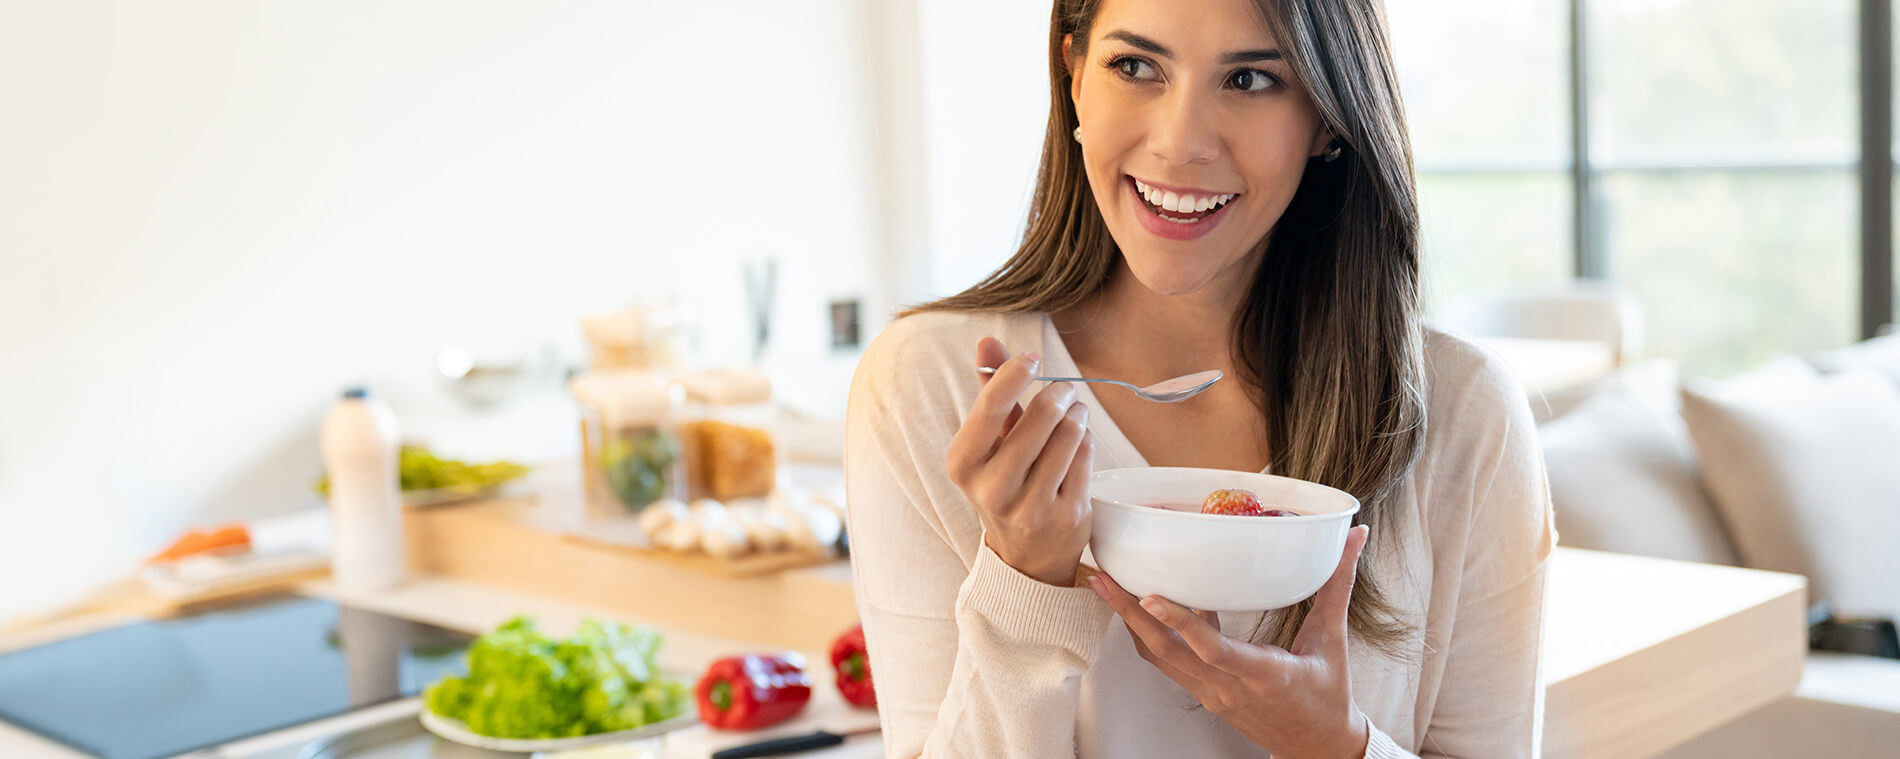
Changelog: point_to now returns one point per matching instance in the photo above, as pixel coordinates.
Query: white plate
(454, 730)
(443, 496)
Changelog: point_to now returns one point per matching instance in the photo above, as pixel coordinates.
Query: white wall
(986, 99)
(213, 215)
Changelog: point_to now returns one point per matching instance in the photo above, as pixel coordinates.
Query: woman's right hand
(1026, 469)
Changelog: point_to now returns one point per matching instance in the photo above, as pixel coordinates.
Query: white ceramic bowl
(1211, 561)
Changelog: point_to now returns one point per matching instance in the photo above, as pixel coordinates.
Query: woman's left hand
(1296, 703)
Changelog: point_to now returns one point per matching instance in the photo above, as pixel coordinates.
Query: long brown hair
(1329, 336)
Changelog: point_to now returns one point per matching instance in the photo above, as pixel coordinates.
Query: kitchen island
(1640, 654)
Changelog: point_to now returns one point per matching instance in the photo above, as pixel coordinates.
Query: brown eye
(1251, 80)
(1133, 68)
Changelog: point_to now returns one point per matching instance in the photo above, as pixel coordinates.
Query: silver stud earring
(1332, 154)
(1078, 133)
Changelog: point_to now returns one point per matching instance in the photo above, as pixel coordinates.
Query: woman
(1225, 184)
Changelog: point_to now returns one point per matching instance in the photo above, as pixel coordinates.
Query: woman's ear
(1322, 142)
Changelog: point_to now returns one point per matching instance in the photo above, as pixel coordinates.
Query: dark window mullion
(1876, 165)
(1588, 250)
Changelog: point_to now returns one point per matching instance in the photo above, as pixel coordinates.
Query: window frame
(1876, 164)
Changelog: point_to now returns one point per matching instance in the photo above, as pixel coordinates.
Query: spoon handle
(992, 370)
(1082, 379)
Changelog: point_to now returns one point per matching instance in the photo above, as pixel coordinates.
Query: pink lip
(1163, 228)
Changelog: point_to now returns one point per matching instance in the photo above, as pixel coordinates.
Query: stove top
(164, 687)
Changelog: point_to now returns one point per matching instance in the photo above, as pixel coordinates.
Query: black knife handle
(777, 746)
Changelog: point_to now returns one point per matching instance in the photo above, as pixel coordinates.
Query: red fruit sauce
(1195, 508)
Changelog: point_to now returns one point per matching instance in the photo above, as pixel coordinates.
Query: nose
(1183, 131)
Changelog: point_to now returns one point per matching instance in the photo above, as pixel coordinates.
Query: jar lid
(727, 386)
(637, 325)
(624, 397)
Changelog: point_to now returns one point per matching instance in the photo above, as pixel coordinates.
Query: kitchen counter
(1640, 654)
(546, 545)
(474, 607)
(531, 546)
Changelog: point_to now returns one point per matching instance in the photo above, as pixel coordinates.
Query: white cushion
(1652, 382)
(1880, 355)
(1805, 474)
(1622, 472)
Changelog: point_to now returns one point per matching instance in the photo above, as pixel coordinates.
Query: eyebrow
(1143, 43)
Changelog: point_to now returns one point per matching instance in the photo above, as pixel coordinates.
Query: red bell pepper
(853, 665)
(750, 692)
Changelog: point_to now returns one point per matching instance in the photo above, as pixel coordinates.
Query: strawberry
(1233, 502)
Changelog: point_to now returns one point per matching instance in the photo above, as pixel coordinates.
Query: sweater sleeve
(1490, 699)
(972, 658)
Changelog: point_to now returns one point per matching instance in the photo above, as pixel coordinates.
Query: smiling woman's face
(1194, 136)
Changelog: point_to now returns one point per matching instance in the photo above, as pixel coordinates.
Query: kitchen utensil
(761, 291)
(792, 744)
(1166, 391)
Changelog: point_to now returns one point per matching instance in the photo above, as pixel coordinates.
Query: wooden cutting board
(751, 564)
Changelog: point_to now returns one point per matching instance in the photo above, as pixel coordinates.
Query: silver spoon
(1166, 391)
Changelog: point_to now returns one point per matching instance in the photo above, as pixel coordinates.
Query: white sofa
(1793, 466)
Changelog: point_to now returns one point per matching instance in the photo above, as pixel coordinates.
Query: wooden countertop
(528, 546)
(1641, 655)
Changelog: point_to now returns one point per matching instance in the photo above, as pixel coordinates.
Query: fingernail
(1154, 607)
(1035, 361)
(1095, 584)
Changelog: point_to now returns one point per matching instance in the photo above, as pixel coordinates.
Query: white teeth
(1179, 203)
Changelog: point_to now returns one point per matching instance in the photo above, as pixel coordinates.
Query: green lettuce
(524, 684)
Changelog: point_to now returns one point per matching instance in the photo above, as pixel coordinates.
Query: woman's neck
(1144, 336)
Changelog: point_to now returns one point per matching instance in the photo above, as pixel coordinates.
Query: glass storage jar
(631, 448)
(728, 439)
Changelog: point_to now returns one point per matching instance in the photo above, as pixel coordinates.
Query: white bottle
(359, 450)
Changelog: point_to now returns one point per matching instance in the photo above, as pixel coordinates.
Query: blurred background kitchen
(215, 216)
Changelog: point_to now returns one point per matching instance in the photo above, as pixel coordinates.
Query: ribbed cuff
(1030, 611)
(1380, 746)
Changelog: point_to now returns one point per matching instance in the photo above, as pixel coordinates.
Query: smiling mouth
(1180, 208)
